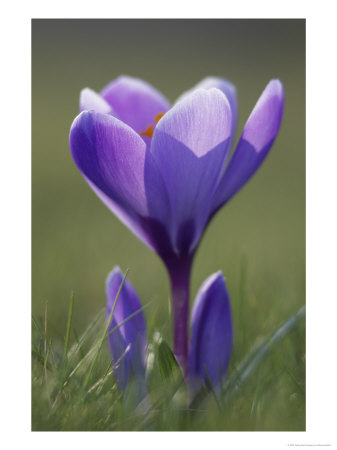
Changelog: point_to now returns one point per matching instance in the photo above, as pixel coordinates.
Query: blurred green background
(257, 240)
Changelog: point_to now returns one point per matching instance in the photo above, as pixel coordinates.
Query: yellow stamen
(148, 132)
(150, 129)
(158, 117)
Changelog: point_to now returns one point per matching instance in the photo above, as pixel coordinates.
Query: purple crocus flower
(163, 170)
(128, 342)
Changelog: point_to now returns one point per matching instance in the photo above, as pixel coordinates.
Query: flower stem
(179, 272)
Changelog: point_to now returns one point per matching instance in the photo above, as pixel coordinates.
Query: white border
(321, 223)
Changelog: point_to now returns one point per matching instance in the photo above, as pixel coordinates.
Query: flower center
(150, 129)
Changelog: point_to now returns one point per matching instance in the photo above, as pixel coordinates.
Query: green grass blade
(90, 331)
(126, 320)
(100, 382)
(211, 388)
(86, 359)
(77, 341)
(250, 363)
(168, 366)
(70, 315)
(46, 348)
(38, 328)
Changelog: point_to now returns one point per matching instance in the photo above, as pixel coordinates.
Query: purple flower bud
(128, 343)
(211, 332)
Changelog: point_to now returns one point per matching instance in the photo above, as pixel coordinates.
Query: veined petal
(201, 121)
(112, 157)
(264, 122)
(91, 101)
(190, 145)
(135, 102)
(226, 87)
(113, 160)
(211, 332)
(256, 140)
(127, 343)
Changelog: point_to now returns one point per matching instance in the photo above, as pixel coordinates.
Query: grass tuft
(82, 394)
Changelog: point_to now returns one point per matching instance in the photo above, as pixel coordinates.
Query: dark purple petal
(227, 88)
(91, 101)
(111, 156)
(256, 140)
(132, 333)
(135, 102)
(190, 145)
(211, 332)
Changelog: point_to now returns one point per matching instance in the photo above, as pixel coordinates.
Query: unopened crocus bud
(211, 333)
(127, 343)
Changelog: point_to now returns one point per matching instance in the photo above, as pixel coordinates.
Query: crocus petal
(226, 87)
(256, 140)
(111, 156)
(113, 160)
(190, 145)
(91, 101)
(131, 335)
(135, 102)
(211, 332)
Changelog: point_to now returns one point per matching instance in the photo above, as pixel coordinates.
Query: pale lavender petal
(91, 101)
(211, 332)
(132, 334)
(190, 145)
(256, 140)
(226, 87)
(135, 102)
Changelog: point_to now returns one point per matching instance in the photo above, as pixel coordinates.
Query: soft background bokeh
(257, 240)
